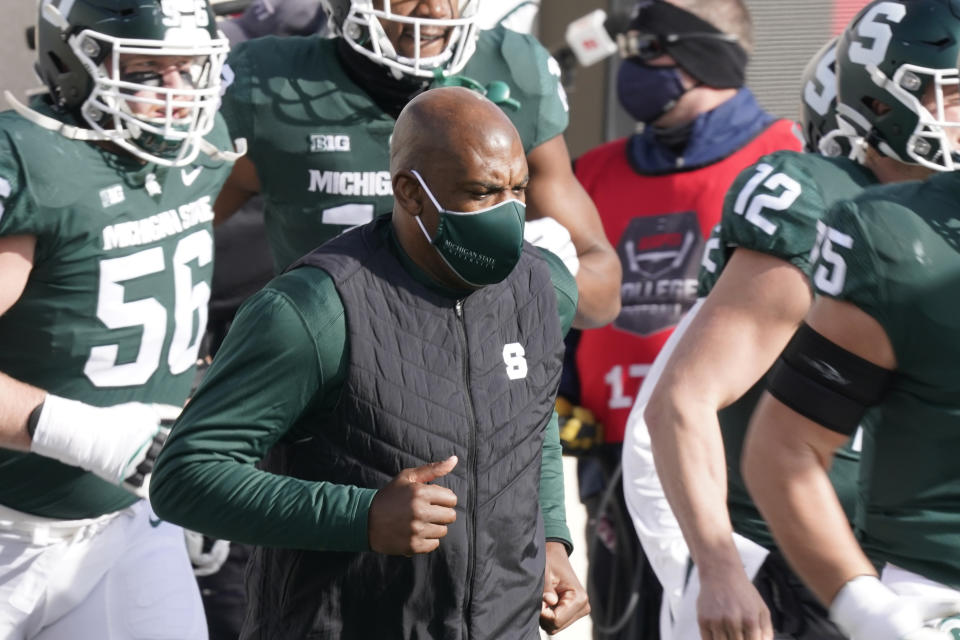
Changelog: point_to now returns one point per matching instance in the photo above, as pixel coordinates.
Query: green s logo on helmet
(896, 63)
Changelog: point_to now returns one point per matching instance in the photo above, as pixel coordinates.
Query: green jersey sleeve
(711, 264)
(565, 286)
(539, 75)
(773, 207)
(19, 214)
(515, 66)
(869, 252)
(551, 467)
(236, 104)
(273, 366)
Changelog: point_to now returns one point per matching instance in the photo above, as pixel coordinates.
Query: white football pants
(124, 576)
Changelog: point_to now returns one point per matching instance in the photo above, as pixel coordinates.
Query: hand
(866, 609)
(119, 444)
(564, 598)
(730, 608)
(205, 562)
(408, 515)
(549, 234)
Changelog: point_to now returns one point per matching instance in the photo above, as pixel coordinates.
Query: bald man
(398, 384)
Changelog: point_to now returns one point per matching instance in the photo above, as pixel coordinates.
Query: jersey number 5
(831, 272)
(190, 313)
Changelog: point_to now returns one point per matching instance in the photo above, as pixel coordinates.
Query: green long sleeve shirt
(278, 376)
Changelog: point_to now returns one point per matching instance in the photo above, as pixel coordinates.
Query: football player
(318, 114)
(107, 185)
(756, 281)
(881, 335)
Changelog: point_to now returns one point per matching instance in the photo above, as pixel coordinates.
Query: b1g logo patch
(660, 256)
(321, 142)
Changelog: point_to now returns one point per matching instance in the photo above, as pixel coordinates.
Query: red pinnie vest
(659, 225)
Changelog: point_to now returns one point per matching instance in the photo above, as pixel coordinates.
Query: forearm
(227, 499)
(242, 184)
(19, 400)
(689, 457)
(551, 486)
(598, 282)
(555, 192)
(788, 481)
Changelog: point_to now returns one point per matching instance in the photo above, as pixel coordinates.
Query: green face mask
(481, 247)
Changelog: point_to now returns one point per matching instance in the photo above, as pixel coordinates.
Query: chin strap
(239, 145)
(79, 133)
(64, 129)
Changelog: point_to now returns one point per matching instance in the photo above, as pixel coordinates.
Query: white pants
(653, 519)
(125, 576)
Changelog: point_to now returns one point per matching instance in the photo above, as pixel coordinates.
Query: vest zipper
(472, 502)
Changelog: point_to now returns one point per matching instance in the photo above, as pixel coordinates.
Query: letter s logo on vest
(513, 357)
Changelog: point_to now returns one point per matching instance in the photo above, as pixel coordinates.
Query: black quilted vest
(428, 377)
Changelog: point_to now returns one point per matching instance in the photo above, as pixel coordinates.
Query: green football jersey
(894, 252)
(321, 144)
(774, 207)
(116, 304)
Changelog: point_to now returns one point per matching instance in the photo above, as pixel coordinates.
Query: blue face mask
(648, 92)
(481, 247)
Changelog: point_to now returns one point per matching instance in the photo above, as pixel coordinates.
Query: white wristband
(107, 441)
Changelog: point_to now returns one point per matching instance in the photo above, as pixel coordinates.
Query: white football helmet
(358, 22)
(79, 48)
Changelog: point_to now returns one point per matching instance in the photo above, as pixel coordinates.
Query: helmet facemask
(167, 124)
(928, 144)
(897, 71)
(363, 29)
